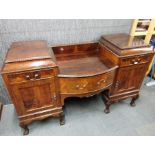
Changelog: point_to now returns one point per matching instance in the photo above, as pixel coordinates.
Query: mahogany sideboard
(39, 77)
(133, 57)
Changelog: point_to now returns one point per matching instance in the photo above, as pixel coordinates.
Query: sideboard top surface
(27, 50)
(124, 41)
(122, 44)
(26, 55)
(81, 60)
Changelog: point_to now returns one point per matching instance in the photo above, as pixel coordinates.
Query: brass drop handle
(136, 61)
(139, 60)
(36, 76)
(27, 77)
(78, 87)
(61, 49)
(101, 81)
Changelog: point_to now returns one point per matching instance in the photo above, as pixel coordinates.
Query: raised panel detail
(35, 95)
(129, 78)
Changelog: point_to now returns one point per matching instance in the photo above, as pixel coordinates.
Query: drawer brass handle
(27, 77)
(100, 82)
(82, 87)
(61, 49)
(36, 76)
(136, 61)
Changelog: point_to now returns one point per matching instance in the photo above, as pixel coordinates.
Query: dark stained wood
(125, 41)
(125, 45)
(81, 60)
(30, 75)
(39, 78)
(133, 59)
(82, 71)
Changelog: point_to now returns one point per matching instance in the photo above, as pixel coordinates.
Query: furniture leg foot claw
(107, 109)
(26, 129)
(62, 119)
(132, 104)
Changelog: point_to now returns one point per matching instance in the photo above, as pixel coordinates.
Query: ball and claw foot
(132, 104)
(133, 100)
(107, 110)
(26, 130)
(62, 119)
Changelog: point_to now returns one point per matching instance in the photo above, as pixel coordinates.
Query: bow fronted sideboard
(39, 77)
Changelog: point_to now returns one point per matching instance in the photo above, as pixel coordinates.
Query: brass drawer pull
(82, 87)
(136, 61)
(27, 77)
(61, 49)
(36, 76)
(100, 82)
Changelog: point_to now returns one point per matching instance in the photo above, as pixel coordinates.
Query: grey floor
(85, 117)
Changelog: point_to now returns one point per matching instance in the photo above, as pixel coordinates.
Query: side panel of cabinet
(129, 78)
(35, 95)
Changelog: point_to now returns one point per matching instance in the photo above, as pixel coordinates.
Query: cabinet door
(129, 78)
(35, 95)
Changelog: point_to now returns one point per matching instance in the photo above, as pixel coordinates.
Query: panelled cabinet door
(31, 96)
(129, 78)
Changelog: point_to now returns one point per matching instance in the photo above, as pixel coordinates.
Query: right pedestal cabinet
(133, 57)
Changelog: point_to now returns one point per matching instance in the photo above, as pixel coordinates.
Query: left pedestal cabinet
(30, 74)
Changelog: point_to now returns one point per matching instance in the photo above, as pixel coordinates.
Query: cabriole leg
(62, 118)
(26, 129)
(107, 109)
(132, 103)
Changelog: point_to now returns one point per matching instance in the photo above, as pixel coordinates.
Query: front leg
(107, 108)
(62, 118)
(26, 129)
(107, 103)
(132, 103)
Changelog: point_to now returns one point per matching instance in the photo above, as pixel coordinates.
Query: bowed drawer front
(86, 84)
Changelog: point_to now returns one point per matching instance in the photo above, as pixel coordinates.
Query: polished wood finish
(30, 74)
(1, 108)
(39, 78)
(133, 59)
(83, 72)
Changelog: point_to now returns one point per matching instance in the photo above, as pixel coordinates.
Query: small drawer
(134, 60)
(86, 84)
(30, 76)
